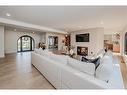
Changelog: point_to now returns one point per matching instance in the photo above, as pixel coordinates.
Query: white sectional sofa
(64, 72)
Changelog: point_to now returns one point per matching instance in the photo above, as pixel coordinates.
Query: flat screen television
(82, 37)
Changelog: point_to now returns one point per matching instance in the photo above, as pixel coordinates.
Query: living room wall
(96, 40)
(60, 38)
(2, 41)
(11, 38)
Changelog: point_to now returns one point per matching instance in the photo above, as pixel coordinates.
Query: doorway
(112, 42)
(25, 43)
(53, 42)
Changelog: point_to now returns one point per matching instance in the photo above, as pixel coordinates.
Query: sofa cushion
(88, 68)
(100, 54)
(59, 58)
(105, 69)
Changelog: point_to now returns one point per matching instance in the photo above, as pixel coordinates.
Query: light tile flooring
(16, 72)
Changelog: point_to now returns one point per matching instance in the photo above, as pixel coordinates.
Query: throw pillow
(96, 61)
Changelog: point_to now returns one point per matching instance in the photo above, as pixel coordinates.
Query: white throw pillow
(105, 69)
(88, 68)
(100, 53)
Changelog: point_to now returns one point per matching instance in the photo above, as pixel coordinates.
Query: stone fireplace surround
(95, 43)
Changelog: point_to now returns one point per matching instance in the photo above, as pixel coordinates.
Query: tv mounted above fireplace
(82, 37)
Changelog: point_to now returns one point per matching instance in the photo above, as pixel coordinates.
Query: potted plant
(42, 45)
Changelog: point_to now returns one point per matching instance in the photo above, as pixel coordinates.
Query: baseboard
(2, 56)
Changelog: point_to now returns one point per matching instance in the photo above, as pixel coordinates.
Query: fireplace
(82, 51)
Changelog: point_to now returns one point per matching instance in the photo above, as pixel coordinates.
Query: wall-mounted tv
(82, 37)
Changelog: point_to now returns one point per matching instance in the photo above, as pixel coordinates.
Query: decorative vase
(71, 52)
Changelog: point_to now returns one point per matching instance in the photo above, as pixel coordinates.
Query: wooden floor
(16, 72)
(123, 67)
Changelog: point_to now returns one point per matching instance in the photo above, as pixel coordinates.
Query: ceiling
(69, 18)
(18, 29)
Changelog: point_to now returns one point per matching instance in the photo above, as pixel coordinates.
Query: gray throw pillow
(95, 61)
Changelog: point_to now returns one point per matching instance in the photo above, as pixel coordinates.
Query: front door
(25, 43)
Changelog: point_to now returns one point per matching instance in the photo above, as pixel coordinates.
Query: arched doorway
(25, 43)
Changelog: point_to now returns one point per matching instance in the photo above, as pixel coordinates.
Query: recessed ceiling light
(7, 14)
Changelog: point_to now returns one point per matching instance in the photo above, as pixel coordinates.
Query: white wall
(43, 37)
(2, 41)
(60, 38)
(122, 39)
(96, 40)
(122, 43)
(11, 38)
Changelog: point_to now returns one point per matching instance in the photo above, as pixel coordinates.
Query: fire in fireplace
(82, 51)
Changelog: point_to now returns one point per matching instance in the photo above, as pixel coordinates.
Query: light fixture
(66, 35)
(7, 14)
(33, 32)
